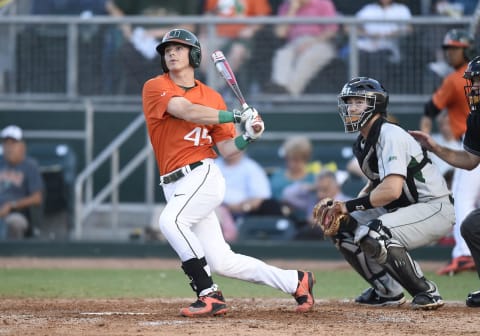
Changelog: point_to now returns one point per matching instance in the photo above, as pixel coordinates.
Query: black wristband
(361, 203)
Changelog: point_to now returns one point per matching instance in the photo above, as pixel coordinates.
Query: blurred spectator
(297, 151)
(235, 40)
(456, 8)
(308, 47)
(304, 196)
(21, 185)
(138, 56)
(379, 42)
(247, 192)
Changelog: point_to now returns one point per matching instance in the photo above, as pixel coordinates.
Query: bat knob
(257, 128)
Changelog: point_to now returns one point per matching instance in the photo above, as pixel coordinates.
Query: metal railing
(85, 203)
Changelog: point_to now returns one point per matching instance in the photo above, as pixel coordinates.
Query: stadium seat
(57, 163)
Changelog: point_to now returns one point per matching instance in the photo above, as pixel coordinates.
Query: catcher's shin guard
(377, 243)
(367, 267)
(198, 272)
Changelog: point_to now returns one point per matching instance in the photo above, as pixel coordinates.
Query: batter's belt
(179, 173)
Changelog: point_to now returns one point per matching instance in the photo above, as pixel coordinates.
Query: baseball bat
(223, 67)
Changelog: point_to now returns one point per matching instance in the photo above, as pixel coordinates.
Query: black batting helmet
(376, 99)
(181, 36)
(460, 38)
(472, 91)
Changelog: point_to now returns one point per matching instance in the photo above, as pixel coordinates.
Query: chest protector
(364, 150)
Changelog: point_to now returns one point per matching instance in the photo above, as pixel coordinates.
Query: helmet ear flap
(195, 57)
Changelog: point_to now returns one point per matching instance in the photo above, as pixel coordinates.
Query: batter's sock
(195, 269)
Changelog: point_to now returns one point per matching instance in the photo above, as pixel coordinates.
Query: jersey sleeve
(392, 152)
(155, 99)
(443, 95)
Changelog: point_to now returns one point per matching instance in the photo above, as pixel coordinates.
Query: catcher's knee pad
(373, 238)
(404, 269)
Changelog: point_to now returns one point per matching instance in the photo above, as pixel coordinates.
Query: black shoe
(427, 301)
(370, 297)
(473, 299)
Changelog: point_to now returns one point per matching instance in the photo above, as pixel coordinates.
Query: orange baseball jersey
(237, 8)
(451, 95)
(177, 142)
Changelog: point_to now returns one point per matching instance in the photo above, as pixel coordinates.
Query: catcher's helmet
(460, 38)
(376, 99)
(472, 91)
(181, 36)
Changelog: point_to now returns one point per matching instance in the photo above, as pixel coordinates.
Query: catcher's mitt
(328, 215)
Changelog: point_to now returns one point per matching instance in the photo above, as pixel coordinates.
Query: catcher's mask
(185, 37)
(472, 89)
(460, 38)
(375, 101)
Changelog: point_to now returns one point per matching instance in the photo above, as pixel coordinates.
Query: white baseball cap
(12, 132)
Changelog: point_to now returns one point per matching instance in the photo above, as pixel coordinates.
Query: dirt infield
(246, 317)
(268, 317)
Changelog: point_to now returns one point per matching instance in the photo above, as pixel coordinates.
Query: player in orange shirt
(459, 50)
(185, 120)
(234, 39)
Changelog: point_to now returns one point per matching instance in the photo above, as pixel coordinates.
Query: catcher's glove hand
(327, 214)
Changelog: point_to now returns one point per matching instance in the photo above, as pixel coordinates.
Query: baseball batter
(469, 158)
(405, 204)
(185, 120)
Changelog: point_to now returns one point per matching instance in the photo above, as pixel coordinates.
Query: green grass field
(108, 283)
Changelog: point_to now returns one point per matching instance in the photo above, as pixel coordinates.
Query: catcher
(405, 204)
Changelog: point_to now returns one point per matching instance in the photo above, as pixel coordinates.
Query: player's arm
(384, 193)
(254, 128)
(387, 191)
(455, 157)
(227, 148)
(182, 108)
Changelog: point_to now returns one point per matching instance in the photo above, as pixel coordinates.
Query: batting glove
(254, 126)
(243, 115)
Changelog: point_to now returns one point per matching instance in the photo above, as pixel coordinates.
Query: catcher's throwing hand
(329, 215)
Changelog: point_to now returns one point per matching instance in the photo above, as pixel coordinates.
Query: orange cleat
(303, 295)
(457, 265)
(212, 304)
